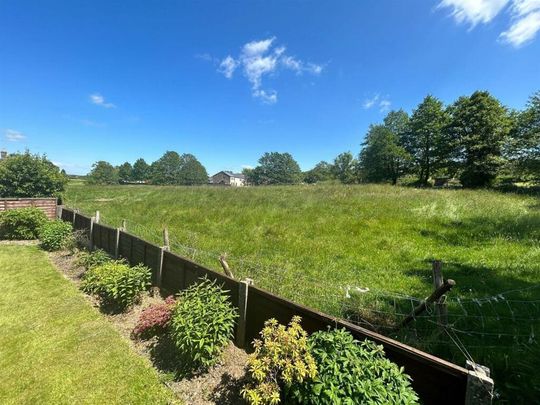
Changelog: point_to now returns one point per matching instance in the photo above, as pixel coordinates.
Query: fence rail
(437, 381)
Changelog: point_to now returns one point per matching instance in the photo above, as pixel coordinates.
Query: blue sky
(228, 81)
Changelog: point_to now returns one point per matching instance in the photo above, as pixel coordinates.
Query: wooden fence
(435, 380)
(47, 205)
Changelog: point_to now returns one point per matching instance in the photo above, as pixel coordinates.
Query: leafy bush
(21, 223)
(352, 372)
(27, 175)
(116, 283)
(202, 324)
(55, 235)
(280, 360)
(154, 320)
(89, 260)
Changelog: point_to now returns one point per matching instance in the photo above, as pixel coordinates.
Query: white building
(226, 178)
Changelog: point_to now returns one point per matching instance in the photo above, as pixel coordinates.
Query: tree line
(475, 139)
(171, 168)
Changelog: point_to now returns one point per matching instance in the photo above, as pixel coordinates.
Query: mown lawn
(309, 243)
(55, 348)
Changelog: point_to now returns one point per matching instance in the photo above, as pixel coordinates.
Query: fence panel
(46, 204)
(136, 251)
(67, 215)
(81, 223)
(436, 381)
(104, 237)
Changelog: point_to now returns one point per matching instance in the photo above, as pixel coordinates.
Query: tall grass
(313, 243)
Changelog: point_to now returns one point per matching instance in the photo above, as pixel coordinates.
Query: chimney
(3, 154)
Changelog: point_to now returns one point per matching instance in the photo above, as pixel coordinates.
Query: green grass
(56, 349)
(309, 242)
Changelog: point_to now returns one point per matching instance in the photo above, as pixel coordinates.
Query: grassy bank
(55, 348)
(309, 243)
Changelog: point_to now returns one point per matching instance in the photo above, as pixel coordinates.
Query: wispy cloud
(92, 123)
(98, 99)
(258, 59)
(524, 16)
(382, 103)
(14, 136)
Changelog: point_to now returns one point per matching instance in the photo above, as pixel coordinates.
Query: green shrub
(281, 359)
(202, 324)
(55, 235)
(116, 283)
(89, 260)
(352, 372)
(21, 223)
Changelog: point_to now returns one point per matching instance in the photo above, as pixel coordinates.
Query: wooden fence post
(166, 238)
(91, 236)
(75, 212)
(479, 385)
(59, 209)
(242, 312)
(124, 226)
(97, 217)
(440, 304)
(117, 243)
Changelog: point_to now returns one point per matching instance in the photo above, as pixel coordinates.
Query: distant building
(226, 178)
(3, 154)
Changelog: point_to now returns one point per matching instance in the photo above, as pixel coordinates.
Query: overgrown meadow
(365, 252)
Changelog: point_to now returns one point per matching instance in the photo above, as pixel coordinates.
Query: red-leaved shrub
(154, 319)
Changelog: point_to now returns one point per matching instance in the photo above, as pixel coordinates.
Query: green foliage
(352, 372)
(55, 235)
(192, 172)
(202, 324)
(426, 139)
(275, 168)
(27, 175)
(89, 260)
(321, 172)
(21, 223)
(141, 170)
(344, 168)
(125, 172)
(381, 158)
(116, 283)
(479, 129)
(103, 173)
(281, 360)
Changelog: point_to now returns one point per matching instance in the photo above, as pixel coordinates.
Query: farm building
(226, 178)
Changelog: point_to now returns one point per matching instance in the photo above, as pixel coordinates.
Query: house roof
(231, 174)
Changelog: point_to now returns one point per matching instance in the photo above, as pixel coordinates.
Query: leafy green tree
(166, 170)
(523, 149)
(275, 168)
(479, 128)
(141, 170)
(426, 138)
(192, 172)
(28, 175)
(398, 123)
(103, 173)
(344, 168)
(321, 172)
(382, 158)
(125, 172)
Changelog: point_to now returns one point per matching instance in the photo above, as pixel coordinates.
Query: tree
(321, 172)
(166, 170)
(141, 170)
(523, 150)
(103, 173)
(479, 128)
(382, 158)
(398, 123)
(125, 172)
(426, 139)
(192, 172)
(275, 168)
(344, 168)
(27, 175)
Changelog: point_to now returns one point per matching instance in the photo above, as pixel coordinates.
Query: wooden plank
(47, 205)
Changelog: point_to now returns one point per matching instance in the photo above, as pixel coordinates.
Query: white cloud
(524, 16)
(262, 58)
(525, 23)
(383, 103)
(14, 136)
(98, 99)
(247, 167)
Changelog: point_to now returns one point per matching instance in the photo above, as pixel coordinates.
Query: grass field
(56, 349)
(309, 243)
